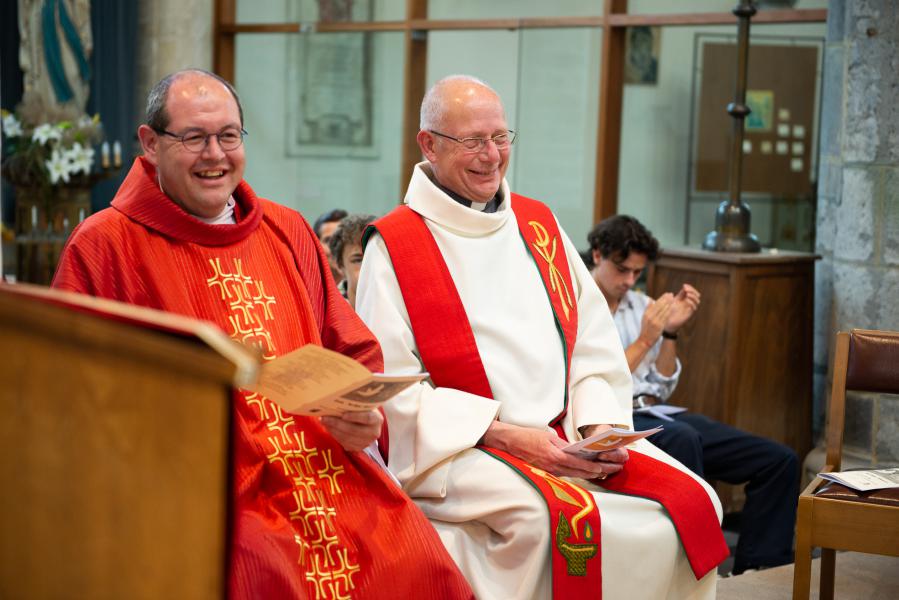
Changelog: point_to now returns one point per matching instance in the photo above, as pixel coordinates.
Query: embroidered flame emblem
(575, 553)
(566, 492)
(547, 248)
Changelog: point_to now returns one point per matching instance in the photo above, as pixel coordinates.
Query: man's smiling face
(199, 182)
(471, 110)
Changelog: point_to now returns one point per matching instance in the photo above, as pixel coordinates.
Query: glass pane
(323, 112)
(463, 52)
(549, 82)
(512, 9)
(558, 108)
(310, 11)
(676, 134)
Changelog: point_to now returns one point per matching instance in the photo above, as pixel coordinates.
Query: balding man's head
(460, 108)
(443, 93)
(157, 117)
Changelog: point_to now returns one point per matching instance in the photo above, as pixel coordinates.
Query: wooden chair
(835, 517)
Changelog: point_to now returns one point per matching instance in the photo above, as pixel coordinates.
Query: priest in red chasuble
(481, 288)
(313, 515)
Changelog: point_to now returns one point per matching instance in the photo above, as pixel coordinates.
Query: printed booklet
(316, 381)
(865, 480)
(607, 440)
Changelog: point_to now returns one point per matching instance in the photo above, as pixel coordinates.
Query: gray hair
(157, 117)
(433, 109)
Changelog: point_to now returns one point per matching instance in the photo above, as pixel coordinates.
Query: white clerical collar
(226, 217)
(427, 199)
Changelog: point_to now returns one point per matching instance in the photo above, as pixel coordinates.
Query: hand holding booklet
(865, 480)
(316, 381)
(609, 439)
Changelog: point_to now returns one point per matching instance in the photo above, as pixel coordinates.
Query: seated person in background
(480, 287)
(346, 249)
(621, 247)
(324, 228)
(312, 516)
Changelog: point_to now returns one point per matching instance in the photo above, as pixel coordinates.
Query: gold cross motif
(218, 277)
(279, 423)
(264, 300)
(254, 399)
(330, 472)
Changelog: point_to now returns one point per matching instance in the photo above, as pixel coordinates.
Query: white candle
(117, 154)
(104, 155)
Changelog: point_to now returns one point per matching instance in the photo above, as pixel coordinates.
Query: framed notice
(329, 90)
(782, 93)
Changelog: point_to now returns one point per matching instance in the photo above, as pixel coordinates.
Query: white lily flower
(46, 132)
(58, 167)
(81, 159)
(11, 126)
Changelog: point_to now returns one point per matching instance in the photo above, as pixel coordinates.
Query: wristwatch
(669, 336)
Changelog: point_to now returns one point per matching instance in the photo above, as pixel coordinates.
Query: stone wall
(172, 35)
(858, 209)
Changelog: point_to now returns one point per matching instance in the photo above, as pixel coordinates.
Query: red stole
(447, 347)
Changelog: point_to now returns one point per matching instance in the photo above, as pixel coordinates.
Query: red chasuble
(310, 520)
(448, 351)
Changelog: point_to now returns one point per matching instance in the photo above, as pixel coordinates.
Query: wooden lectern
(114, 448)
(747, 354)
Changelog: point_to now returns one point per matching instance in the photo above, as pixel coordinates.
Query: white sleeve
(660, 385)
(600, 383)
(426, 425)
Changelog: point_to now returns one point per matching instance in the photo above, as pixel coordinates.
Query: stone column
(174, 34)
(858, 209)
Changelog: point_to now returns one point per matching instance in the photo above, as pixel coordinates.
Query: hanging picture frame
(329, 75)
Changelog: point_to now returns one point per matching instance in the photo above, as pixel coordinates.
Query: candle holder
(44, 218)
(732, 220)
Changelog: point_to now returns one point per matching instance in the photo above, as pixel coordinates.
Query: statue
(56, 44)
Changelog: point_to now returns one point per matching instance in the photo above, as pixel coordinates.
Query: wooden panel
(785, 71)
(416, 64)
(608, 138)
(115, 467)
(223, 43)
(774, 376)
(701, 258)
(747, 354)
(375, 26)
(852, 526)
(701, 386)
(801, 15)
(615, 20)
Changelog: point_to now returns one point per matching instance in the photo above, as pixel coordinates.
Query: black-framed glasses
(196, 141)
(476, 144)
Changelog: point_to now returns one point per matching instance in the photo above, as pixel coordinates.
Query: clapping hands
(668, 313)
(684, 304)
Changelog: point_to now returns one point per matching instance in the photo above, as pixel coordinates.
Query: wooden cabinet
(747, 353)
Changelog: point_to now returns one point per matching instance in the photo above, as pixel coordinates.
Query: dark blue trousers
(770, 470)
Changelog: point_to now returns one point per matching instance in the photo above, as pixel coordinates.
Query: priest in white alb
(481, 288)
